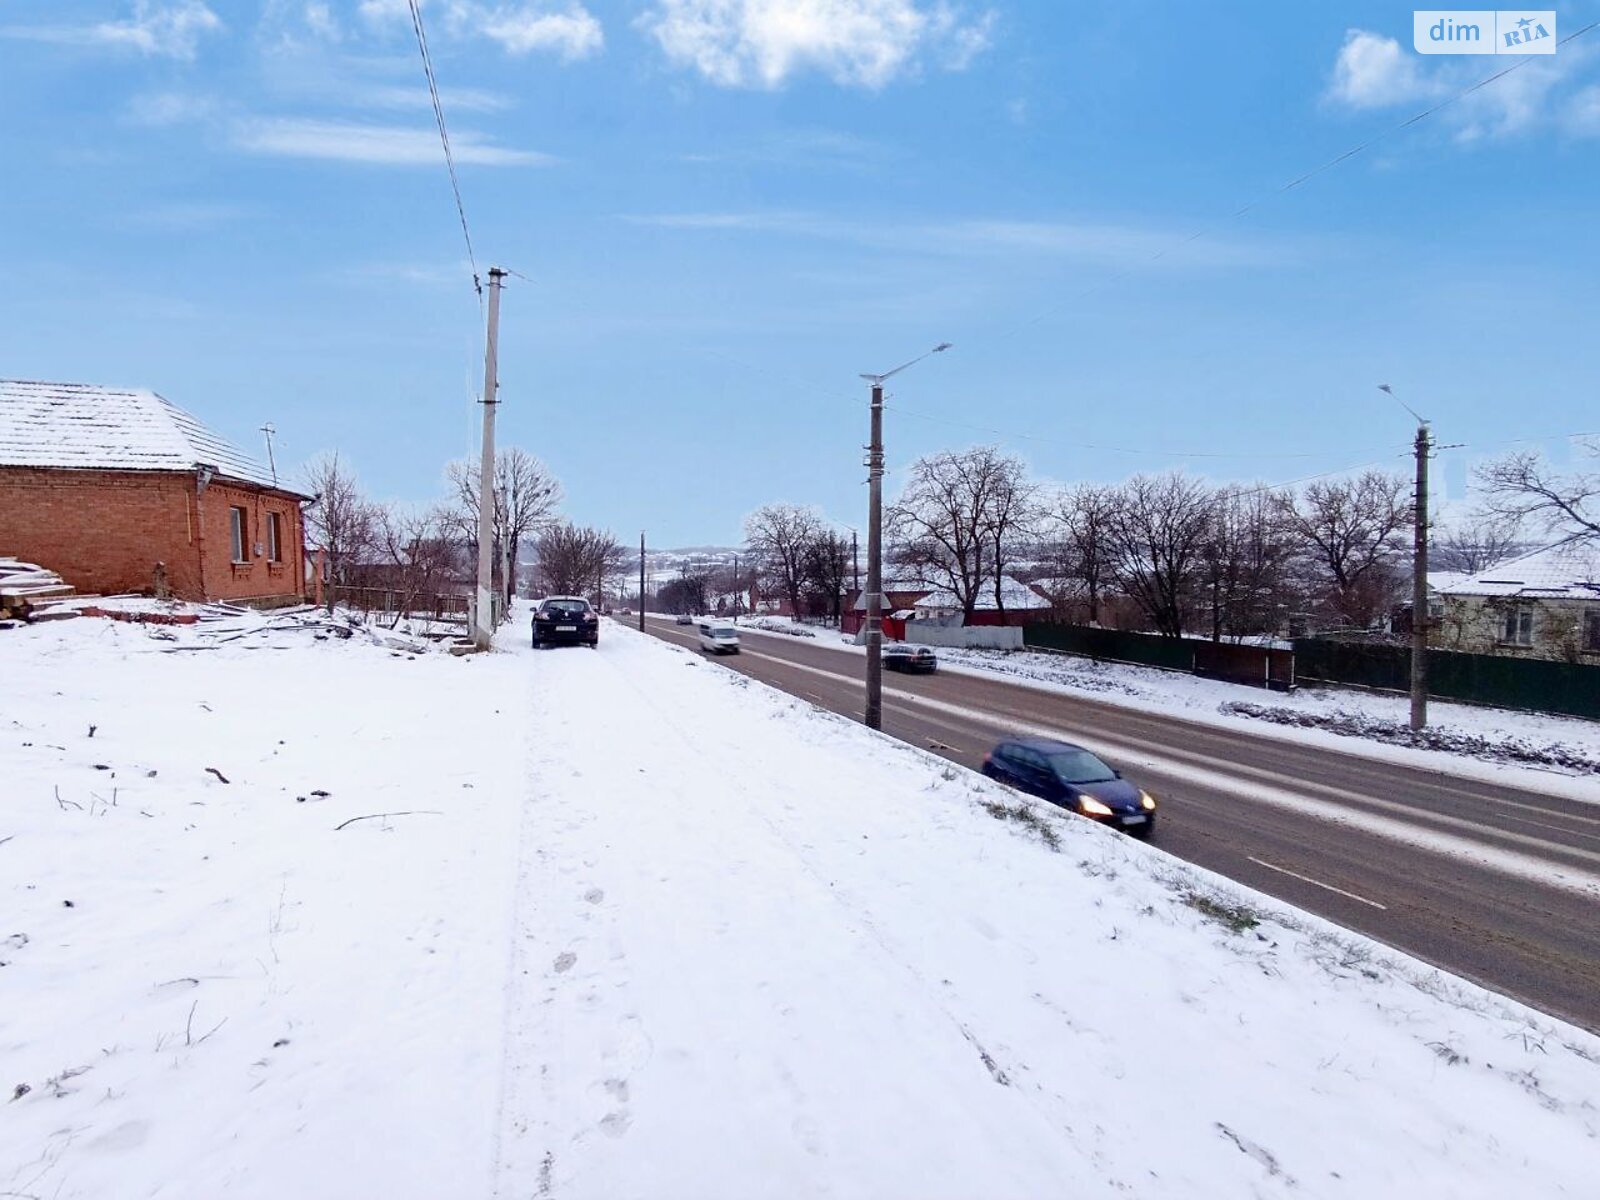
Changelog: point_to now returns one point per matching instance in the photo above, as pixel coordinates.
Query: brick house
(1540, 605)
(111, 487)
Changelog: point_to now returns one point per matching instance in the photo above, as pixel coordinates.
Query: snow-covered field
(1500, 735)
(647, 928)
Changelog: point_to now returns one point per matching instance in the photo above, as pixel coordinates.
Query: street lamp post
(874, 707)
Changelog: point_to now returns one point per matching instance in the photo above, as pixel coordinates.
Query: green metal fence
(1499, 680)
(1117, 645)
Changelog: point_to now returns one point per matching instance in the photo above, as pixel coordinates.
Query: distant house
(1540, 605)
(123, 491)
(1019, 604)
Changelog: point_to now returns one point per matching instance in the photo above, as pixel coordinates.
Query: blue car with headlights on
(1073, 778)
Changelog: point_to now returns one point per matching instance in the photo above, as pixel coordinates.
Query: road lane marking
(936, 745)
(1316, 882)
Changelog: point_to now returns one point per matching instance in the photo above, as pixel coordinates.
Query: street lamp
(874, 713)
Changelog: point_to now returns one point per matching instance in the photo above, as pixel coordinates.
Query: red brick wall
(104, 531)
(255, 578)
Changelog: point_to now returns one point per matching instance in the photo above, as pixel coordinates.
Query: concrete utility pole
(483, 617)
(1419, 586)
(641, 581)
(874, 707)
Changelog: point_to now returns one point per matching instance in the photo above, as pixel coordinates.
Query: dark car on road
(901, 657)
(565, 621)
(1075, 779)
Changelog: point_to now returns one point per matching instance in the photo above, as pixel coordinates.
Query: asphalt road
(1497, 884)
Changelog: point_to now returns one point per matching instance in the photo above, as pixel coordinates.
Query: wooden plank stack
(30, 592)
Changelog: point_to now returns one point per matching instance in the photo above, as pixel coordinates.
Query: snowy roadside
(1208, 701)
(771, 953)
(649, 928)
(221, 976)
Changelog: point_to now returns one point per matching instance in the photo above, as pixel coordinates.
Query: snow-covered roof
(1567, 570)
(82, 426)
(1014, 593)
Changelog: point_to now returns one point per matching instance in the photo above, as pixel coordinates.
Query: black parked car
(565, 620)
(1070, 776)
(901, 657)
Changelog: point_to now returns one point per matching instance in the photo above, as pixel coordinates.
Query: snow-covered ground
(643, 927)
(1176, 693)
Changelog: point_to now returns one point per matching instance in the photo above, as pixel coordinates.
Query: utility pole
(483, 618)
(874, 713)
(855, 563)
(641, 581)
(1419, 586)
(874, 707)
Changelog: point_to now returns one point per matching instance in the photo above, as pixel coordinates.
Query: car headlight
(1147, 801)
(1088, 804)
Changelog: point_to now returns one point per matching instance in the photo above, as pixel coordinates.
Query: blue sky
(727, 209)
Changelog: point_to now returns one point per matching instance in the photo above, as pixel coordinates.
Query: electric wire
(444, 139)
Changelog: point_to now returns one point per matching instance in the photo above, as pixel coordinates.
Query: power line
(444, 139)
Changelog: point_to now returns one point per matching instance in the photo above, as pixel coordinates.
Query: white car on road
(717, 638)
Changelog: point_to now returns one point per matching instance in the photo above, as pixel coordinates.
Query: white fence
(966, 637)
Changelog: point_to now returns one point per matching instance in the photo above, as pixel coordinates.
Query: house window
(274, 537)
(1518, 629)
(1591, 631)
(237, 530)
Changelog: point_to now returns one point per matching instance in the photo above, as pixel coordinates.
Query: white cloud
(573, 33)
(170, 108)
(1373, 71)
(1376, 72)
(1583, 112)
(454, 99)
(320, 20)
(571, 30)
(170, 30)
(173, 30)
(761, 43)
(1102, 244)
(388, 145)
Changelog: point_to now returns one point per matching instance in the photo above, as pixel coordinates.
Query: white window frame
(274, 537)
(239, 531)
(1517, 628)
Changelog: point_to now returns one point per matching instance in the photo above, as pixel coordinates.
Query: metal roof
(1567, 570)
(86, 427)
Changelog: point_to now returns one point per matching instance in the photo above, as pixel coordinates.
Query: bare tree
(1476, 543)
(340, 519)
(1156, 530)
(1246, 559)
(686, 594)
(954, 507)
(526, 497)
(574, 559)
(1013, 514)
(1523, 486)
(1078, 524)
(781, 535)
(417, 547)
(1352, 531)
(826, 568)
